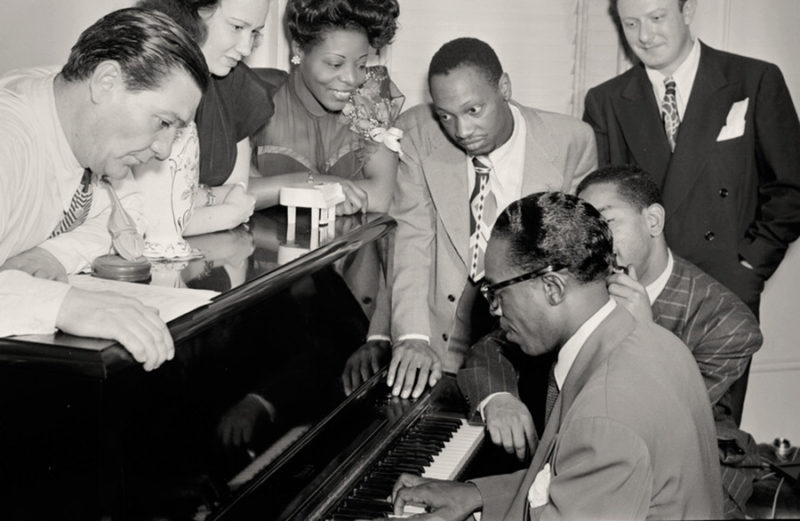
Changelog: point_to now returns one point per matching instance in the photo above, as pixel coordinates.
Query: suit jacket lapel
(540, 151)
(641, 123)
(705, 115)
(446, 173)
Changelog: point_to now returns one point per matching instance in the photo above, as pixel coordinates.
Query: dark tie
(482, 211)
(79, 207)
(552, 394)
(669, 112)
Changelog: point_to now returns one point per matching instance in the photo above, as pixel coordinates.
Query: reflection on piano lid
(344, 467)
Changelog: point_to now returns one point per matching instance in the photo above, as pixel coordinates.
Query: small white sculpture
(322, 198)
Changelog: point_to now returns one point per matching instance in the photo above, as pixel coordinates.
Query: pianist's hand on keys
(449, 499)
(434, 449)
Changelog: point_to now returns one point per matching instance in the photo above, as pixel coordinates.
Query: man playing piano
(130, 81)
(715, 324)
(629, 431)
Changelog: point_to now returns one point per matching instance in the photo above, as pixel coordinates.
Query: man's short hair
(466, 51)
(147, 44)
(615, 12)
(557, 229)
(633, 184)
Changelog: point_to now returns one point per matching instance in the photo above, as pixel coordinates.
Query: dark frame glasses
(489, 291)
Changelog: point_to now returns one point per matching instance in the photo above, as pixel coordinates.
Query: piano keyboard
(435, 447)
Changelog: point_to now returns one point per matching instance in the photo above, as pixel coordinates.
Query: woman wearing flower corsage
(333, 114)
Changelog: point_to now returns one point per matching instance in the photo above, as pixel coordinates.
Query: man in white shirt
(719, 330)
(466, 156)
(629, 431)
(132, 79)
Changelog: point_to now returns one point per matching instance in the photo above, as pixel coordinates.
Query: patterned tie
(669, 112)
(552, 393)
(79, 207)
(482, 211)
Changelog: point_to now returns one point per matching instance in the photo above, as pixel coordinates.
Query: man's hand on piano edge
(444, 500)
(414, 364)
(365, 362)
(510, 425)
(103, 314)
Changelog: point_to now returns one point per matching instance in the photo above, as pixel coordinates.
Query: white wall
(39, 32)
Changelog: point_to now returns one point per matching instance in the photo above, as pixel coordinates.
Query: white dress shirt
(684, 77)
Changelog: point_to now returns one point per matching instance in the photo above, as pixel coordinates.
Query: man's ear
(504, 84)
(554, 288)
(106, 80)
(655, 215)
(689, 9)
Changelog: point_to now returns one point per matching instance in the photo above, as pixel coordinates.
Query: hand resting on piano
(365, 362)
(413, 366)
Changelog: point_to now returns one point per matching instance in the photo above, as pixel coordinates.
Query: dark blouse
(234, 108)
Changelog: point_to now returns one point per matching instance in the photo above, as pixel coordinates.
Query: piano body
(249, 421)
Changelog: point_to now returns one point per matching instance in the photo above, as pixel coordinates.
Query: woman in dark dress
(236, 105)
(333, 114)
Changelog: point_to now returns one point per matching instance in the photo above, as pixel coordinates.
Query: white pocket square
(735, 122)
(539, 493)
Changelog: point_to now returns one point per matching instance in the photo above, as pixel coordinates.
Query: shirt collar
(684, 77)
(655, 288)
(569, 351)
(500, 153)
(305, 96)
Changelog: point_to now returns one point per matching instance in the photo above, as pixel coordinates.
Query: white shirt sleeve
(30, 305)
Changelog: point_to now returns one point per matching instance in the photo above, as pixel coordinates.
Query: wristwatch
(211, 198)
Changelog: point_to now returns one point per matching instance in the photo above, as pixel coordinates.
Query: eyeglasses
(489, 291)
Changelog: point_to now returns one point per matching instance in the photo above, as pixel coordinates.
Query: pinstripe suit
(718, 328)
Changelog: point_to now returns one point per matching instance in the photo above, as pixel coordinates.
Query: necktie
(669, 112)
(79, 207)
(482, 211)
(552, 394)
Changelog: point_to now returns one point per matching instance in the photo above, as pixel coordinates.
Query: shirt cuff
(30, 305)
(414, 336)
(379, 338)
(267, 405)
(485, 402)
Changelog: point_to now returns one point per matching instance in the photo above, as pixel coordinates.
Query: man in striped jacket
(653, 284)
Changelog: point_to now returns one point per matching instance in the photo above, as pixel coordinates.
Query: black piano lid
(87, 434)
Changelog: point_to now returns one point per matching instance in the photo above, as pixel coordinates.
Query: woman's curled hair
(309, 20)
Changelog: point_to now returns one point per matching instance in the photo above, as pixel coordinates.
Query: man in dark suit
(720, 331)
(718, 132)
(629, 433)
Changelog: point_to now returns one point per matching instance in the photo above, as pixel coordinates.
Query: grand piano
(249, 421)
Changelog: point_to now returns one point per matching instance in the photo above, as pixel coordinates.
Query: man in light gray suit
(629, 431)
(465, 157)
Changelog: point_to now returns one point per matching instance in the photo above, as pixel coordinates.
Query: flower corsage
(373, 107)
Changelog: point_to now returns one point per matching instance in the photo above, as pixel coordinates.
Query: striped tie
(482, 211)
(669, 112)
(552, 394)
(79, 207)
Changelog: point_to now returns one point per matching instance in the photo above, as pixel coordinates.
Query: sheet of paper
(170, 302)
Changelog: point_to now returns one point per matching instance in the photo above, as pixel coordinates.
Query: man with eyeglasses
(629, 433)
(718, 328)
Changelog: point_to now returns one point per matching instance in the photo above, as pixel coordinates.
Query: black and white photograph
(436, 260)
